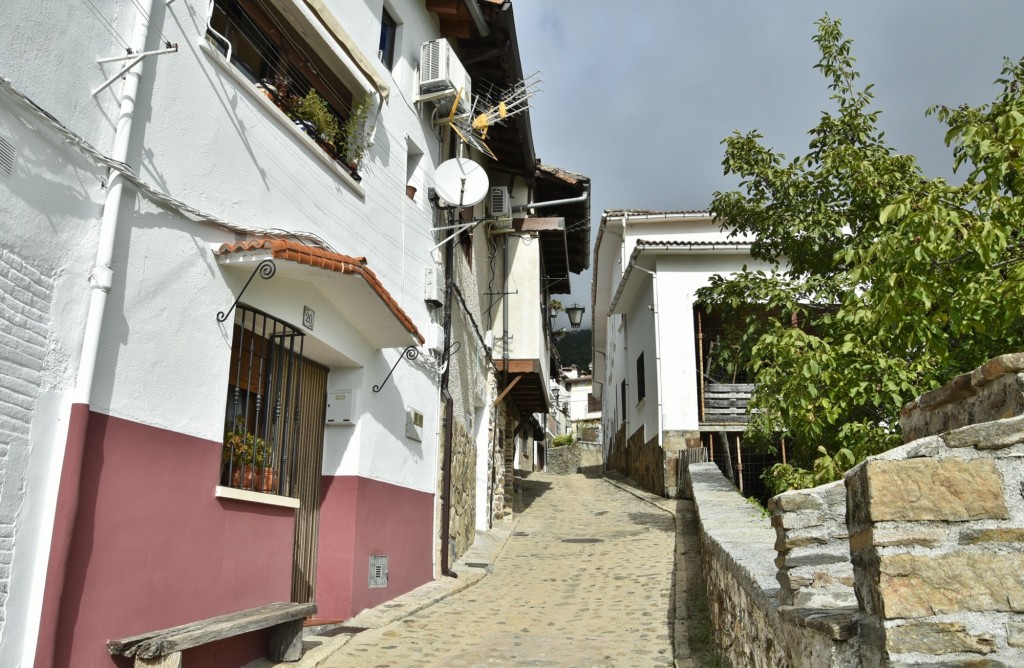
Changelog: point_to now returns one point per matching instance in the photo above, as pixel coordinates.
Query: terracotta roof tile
(284, 249)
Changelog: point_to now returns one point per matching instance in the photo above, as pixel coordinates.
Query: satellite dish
(460, 182)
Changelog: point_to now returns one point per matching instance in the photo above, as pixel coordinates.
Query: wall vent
(7, 155)
(378, 571)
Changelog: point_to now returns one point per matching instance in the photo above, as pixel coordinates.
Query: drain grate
(520, 533)
(582, 540)
(476, 564)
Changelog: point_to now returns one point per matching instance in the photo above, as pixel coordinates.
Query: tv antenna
(492, 107)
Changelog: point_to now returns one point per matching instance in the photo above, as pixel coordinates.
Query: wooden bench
(163, 648)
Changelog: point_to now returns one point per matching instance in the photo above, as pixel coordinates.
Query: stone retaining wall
(916, 559)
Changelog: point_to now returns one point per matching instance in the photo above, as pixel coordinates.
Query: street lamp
(575, 313)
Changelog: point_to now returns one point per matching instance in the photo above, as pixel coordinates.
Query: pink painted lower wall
(152, 547)
(361, 517)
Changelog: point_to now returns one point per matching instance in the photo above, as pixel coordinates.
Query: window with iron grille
(263, 404)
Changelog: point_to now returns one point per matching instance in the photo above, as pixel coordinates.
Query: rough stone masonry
(916, 559)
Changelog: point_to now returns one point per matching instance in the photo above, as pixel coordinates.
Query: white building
(183, 265)
(651, 338)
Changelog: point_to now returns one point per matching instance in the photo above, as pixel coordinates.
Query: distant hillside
(574, 348)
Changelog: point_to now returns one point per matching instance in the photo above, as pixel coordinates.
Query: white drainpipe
(101, 278)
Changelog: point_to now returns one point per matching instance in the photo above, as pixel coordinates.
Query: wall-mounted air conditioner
(498, 204)
(441, 73)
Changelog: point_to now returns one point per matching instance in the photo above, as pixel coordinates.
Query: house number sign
(308, 315)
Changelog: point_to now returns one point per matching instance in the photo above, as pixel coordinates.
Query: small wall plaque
(308, 315)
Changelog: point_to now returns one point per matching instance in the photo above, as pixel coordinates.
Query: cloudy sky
(638, 95)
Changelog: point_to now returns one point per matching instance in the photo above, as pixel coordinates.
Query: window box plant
(243, 456)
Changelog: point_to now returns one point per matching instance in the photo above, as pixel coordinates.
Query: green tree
(885, 283)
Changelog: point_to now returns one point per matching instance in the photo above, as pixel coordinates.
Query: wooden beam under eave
(456, 29)
(444, 6)
(519, 366)
(507, 389)
(555, 224)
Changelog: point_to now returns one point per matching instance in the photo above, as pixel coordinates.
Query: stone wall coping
(967, 384)
(743, 535)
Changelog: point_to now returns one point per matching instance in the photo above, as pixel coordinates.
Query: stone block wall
(647, 462)
(928, 538)
(813, 547)
(591, 457)
(564, 460)
(937, 527)
(462, 524)
(750, 627)
(618, 457)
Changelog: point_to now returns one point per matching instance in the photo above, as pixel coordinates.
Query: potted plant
(242, 455)
(315, 118)
(354, 136)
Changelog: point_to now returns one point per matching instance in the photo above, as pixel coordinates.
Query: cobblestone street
(585, 580)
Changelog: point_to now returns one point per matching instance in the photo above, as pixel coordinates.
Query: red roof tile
(283, 249)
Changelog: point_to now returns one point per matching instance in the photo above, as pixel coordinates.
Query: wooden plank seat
(163, 648)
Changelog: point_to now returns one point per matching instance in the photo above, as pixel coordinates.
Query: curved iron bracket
(410, 353)
(265, 269)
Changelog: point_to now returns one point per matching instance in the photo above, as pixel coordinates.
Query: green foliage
(314, 110)
(355, 134)
(574, 348)
(242, 447)
(885, 283)
(563, 440)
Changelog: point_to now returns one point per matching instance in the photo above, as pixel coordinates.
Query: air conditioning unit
(498, 203)
(433, 288)
(441, 71)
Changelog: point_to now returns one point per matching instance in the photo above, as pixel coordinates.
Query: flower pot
(243, 477)
(266, 480)
(410, 192)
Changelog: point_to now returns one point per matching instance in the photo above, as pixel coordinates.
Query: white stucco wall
(681, 276)
(640, 339)
(47, 239)
(205, 139)
(525, 301)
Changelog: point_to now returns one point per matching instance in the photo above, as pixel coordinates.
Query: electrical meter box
(341, 407)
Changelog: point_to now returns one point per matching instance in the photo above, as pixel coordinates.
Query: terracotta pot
(266, 480)
(410, 192)
(243, 476)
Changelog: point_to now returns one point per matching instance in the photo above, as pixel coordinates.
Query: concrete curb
(473, 567)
